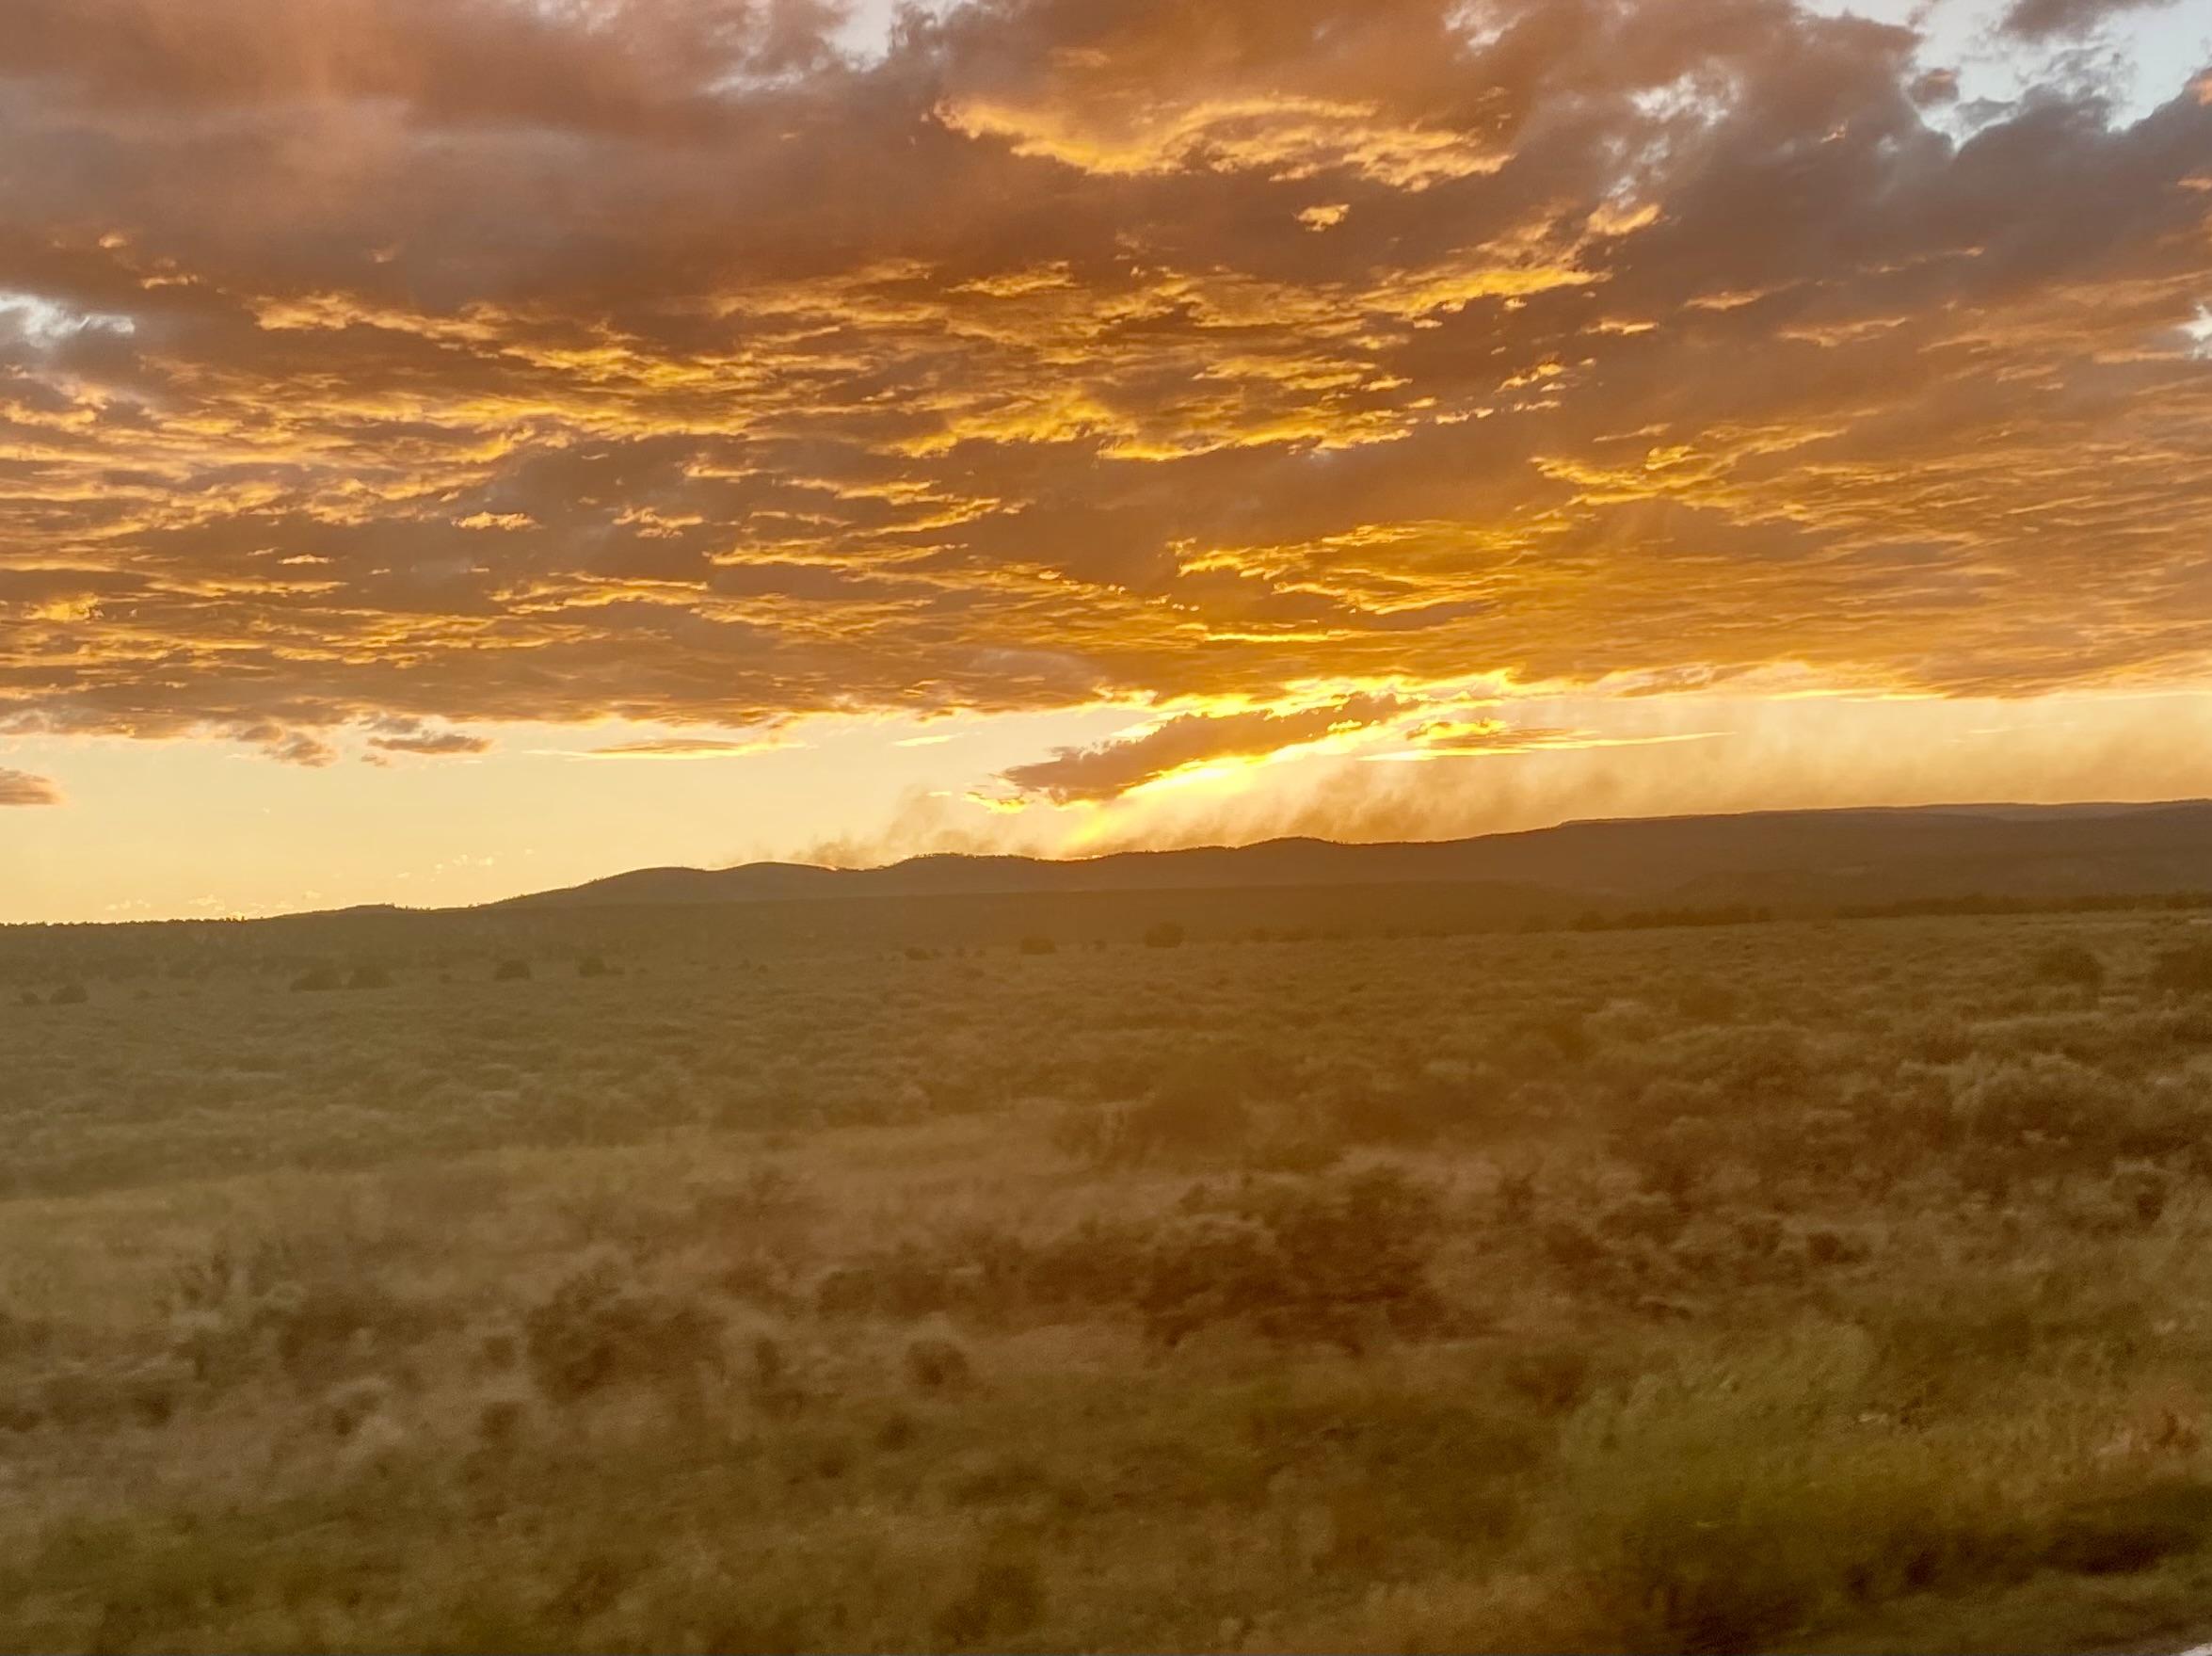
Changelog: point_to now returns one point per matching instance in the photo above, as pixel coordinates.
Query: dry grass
(1740, 1288)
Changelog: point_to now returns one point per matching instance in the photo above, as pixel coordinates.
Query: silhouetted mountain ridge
(1781, 858)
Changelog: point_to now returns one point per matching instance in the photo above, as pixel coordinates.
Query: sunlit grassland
(1792, 1285)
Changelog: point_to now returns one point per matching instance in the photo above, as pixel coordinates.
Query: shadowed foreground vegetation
(1767, 1286)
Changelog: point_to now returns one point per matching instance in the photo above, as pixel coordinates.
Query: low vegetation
(1776, 1285)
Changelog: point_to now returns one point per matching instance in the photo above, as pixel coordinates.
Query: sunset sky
(456, 447)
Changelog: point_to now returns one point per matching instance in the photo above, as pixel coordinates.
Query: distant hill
(1787, 859)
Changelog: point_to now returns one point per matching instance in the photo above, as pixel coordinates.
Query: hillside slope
(1780, 857)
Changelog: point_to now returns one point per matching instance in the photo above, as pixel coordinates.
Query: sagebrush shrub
(1198, 1107)
(598, 1328)
(2072, 964)
(2185, 971)
(904, 1282)
(1337, 1261)
(347, 1406)
(308, 1313)
(1002, 1599)
(939, 1365)
(2047, 1112)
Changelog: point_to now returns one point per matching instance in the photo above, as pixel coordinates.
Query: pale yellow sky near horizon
(236, 835)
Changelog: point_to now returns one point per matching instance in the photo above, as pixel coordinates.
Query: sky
(457, 447)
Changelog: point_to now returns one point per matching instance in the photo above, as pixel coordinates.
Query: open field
(1800, 1285)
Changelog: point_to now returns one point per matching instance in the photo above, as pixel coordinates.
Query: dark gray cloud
(2037, 19)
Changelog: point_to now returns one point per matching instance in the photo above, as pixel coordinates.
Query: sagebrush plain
(591, 1283)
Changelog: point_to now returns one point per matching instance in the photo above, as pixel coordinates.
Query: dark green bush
(1174, 1124)
(2049, 1110)
(304, 1312)
(600, 1329)
(1339, 1262)
(1768, 1064)
(1099, 1264)
(1415, 1110)
(903, 1283)
(1705, 1001)
(2123, 1534)
(939, 1365)
(1196, 1107)
(1003, 1597)
(2070, 964)
(2185, 971)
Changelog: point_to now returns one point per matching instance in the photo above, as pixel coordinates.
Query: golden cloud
(1285, 138)
(489, 361)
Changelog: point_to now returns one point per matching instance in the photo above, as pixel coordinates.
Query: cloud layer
(436, 360)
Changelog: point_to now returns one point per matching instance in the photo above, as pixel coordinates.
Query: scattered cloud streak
(684, 747)
(435, 743)
(19, 787)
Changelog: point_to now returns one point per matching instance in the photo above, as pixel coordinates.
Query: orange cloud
(484, 361)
